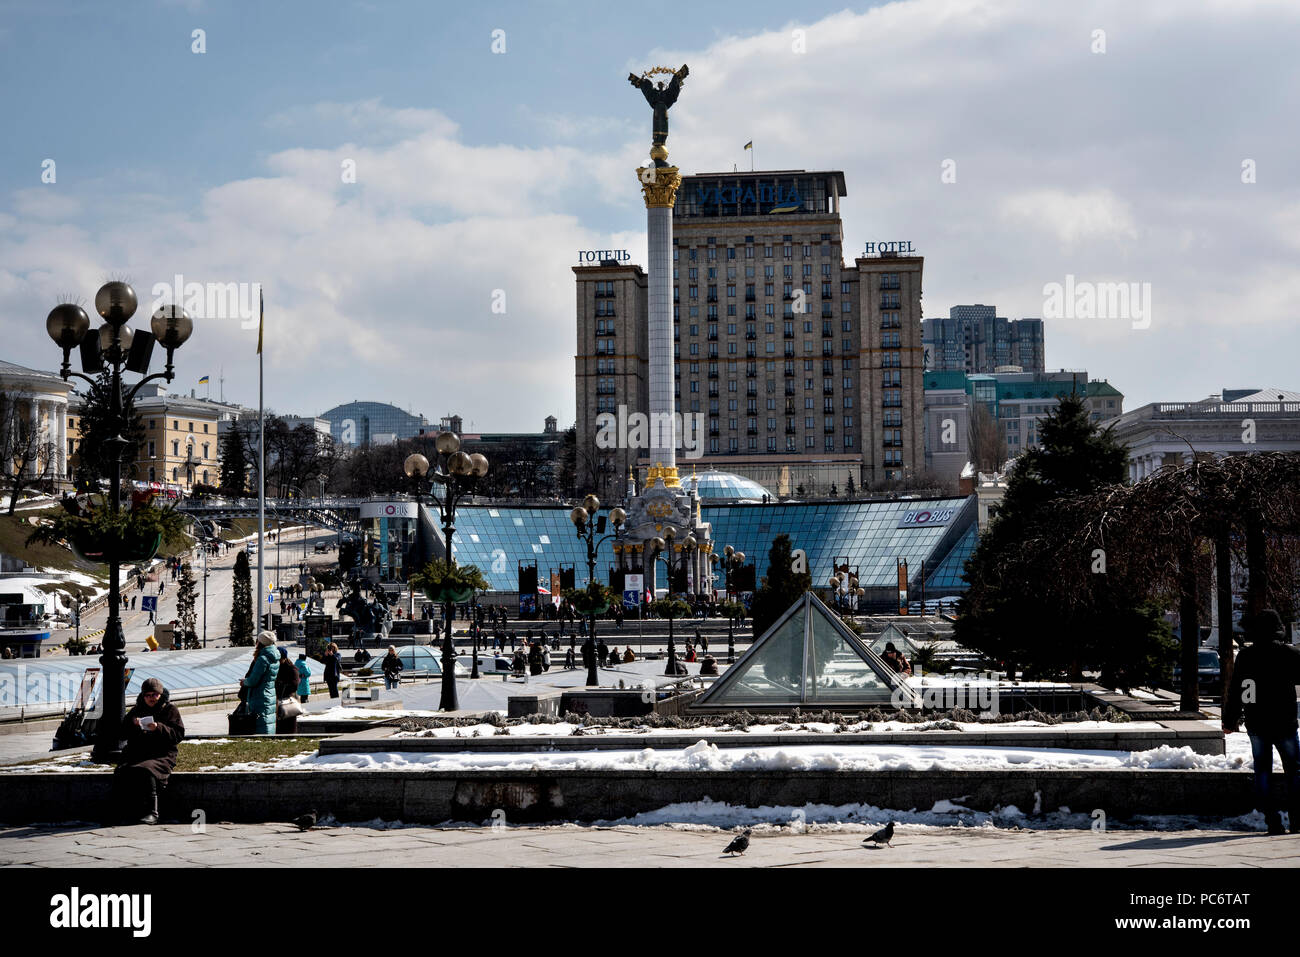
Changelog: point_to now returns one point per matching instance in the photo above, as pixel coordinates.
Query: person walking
(1263, 690)
(702, 642)
(259, 683)
(333, 669)
(153, 729)
(304, 678)
(392, 668)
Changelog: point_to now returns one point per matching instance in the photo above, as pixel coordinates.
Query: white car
(487, 664)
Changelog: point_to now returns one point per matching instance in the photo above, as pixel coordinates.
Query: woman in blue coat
(304, 678)
(260, 684)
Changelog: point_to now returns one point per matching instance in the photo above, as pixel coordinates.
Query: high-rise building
(975, 340)
(800, 368)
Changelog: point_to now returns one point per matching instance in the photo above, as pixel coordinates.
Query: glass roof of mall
(872, 535)
(718, 487)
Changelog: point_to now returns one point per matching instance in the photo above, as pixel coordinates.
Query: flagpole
(261, 467)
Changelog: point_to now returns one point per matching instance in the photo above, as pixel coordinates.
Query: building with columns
(38, 416)
(1169, 433)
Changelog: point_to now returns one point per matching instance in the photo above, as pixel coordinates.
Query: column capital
(659, 185)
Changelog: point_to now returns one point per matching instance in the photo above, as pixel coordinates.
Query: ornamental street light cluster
(115, 347)
(585, 526)
(732, 559)
(459, 474)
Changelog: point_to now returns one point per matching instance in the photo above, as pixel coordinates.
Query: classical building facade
(35, 422)
(181, 444)
(791, 366)
(1169, 433)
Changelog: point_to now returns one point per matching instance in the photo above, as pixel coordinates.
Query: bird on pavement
(740, 843)
(305, 822)
(882, 836)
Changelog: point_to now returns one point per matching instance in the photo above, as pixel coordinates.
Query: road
(281, 566)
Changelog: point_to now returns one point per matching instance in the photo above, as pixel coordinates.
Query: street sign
(632, 585)
(149, 603)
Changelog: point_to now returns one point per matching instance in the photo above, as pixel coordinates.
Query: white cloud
(1121, 166)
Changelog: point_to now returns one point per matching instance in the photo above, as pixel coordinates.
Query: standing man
(1263, 688)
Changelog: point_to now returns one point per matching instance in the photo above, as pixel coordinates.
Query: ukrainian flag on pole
(203, 381)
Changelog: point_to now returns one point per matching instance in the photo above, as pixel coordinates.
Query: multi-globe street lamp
(685, 553)
(459, 474)
(117, 349)
(583, 518)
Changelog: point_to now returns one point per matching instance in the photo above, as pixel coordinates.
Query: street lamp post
(459, 473)
(68, 325)
(684, 550)
(731, 559)
(583, 518)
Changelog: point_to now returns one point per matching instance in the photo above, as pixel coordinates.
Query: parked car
(1209, 678)
(321, 548)
(487, 664)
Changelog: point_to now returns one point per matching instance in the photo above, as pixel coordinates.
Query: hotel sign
(926, 518)
(599, 256)
(899, 246)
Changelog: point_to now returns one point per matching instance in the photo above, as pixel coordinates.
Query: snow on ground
(703, 756)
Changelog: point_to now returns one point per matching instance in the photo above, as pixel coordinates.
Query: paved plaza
(282, 845)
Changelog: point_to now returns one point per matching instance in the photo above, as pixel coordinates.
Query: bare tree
(28, 455)
(988, 446)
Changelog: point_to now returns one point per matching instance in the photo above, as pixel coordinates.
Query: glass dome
(714, 487)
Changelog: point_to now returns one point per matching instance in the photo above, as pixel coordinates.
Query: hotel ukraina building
(807, 369)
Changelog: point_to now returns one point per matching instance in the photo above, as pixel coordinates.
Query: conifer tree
(241, 613)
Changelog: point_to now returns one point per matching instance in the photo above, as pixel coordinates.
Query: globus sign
(388, 510)
(926, 517)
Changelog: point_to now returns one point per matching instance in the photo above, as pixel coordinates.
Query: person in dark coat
(701, 641)
(392, 668)
(286, 687)
(153, 729)
(1263, 689)
(333, 669)
(602, 652)
(535, 658)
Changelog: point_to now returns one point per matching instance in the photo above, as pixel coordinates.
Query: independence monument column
(659, 183)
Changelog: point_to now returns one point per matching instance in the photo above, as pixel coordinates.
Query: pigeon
(882, 836)
(740, 843)
(305, 822)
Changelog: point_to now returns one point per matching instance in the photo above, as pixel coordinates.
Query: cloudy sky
(1014, 143)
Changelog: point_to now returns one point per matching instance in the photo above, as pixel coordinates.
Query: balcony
(753, 430)
(605, 390)
(787, 335)
(790, 430)
(751, 335)
(831, 392)
(827, 333)
(713, 298)
(713, 337)
(789, 373)
(605, 332)
(750, 297)
(713, 373)
(714, 431)
(828, 429)
(789, 388)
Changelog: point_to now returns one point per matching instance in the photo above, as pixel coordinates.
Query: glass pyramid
(808, 658)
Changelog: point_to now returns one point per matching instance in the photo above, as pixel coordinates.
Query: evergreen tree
(781, 585)
(1003, 617)
(185, 613)
(93, 461)
(241, 614)
(850, 489)
(234, 463)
